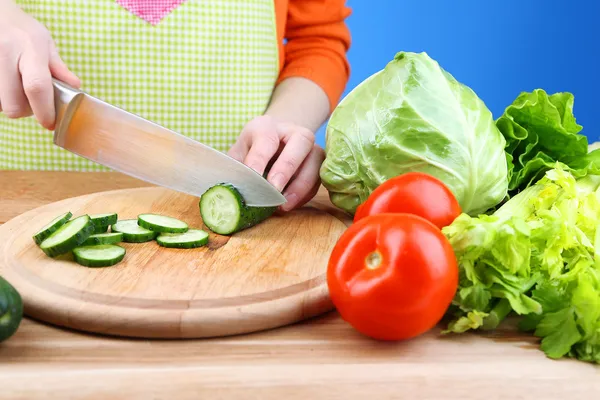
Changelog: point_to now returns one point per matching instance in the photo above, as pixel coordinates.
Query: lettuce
(537, 256)
(540, 130)
(414, 116)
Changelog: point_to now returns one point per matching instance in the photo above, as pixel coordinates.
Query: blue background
(498, 48)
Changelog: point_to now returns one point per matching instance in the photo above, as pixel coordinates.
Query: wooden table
(319, 359)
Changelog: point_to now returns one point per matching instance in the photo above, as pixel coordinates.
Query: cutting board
(270, 275)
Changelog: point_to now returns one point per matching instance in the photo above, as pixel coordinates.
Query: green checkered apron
(204, 70)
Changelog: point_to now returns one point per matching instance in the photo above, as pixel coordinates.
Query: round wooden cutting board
(264, 277)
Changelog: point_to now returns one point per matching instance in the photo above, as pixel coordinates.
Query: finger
(12, 97)
(37, 83)
(264, 146)
(240, 148)
(59, 69)
(307, 181)
(295, 151)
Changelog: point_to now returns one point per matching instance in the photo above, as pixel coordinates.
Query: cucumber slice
(188, 240)
(104, 255)
(103, 238)
(104, 220)
(68, 236)
(51, 227)
(100, 229)
(132, 232)
(224, 211)
(161, 223)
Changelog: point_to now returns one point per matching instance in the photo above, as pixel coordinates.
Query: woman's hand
(28, 60)
(292, 152)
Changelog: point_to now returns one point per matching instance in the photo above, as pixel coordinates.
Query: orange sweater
(317, 42)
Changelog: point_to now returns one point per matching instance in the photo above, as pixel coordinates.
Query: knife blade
(128, 143)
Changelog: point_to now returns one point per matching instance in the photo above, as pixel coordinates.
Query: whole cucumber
(11, 309)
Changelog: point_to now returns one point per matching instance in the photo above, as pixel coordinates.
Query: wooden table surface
(322, 358)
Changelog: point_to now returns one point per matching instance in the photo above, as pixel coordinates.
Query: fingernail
(291, 198)
(277, 181)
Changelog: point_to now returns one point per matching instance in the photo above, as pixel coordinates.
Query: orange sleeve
(317, 42)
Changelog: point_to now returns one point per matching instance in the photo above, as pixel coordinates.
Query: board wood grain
(264, 277)
(319, 358)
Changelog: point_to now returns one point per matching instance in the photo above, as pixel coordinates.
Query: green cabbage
(414, 116)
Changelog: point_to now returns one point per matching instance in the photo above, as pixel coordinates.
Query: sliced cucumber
(51, 227)
(161, 223)
(100, 229)
(224, 211)
(132, 232)
(68, 236)
(188, 240)
(103, 238)
(98, 256)
(104, 220)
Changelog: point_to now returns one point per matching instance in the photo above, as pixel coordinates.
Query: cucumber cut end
(220, 209)
(68, 236)
(224, 211)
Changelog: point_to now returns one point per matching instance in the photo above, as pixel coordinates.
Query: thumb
(59, 69)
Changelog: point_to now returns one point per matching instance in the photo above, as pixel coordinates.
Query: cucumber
(132, 232)
(104, 220)
(11, 309)
(51, 227)
(188, 240)
(224, 211)
(104, 255)
(103, 238)
(100, 229)
(161, 223)
(68, 236)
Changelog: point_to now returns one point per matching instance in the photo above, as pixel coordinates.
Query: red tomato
(413, 193)
(392, 276)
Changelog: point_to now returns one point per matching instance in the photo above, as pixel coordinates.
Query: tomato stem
(373, 260)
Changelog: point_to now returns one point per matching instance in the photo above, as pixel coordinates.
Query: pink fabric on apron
(152, 11)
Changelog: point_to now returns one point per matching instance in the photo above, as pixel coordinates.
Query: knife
(127, 143)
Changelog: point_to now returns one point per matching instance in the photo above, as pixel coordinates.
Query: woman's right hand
(28, 61)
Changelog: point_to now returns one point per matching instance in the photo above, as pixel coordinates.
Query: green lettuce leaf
(537, 256)
(570, 324)
(541, 129)
(494, 255)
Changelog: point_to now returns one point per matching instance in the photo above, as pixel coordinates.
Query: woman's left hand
(292, 152)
